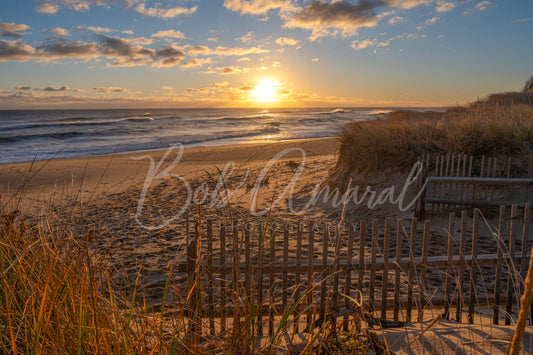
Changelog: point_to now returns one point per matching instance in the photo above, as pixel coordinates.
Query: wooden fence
(309, 269)
(454, 182)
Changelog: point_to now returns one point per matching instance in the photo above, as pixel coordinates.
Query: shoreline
(104, 174)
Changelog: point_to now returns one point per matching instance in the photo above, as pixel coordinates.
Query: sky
(259, 53)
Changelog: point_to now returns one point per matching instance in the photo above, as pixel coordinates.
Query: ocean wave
(71, 123)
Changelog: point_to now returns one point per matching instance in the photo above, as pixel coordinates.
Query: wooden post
(449, 266)
(473, 272)
(398, 269)
(385, 277)
(499, 262)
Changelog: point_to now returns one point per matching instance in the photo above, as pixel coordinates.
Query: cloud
(329, 19)
(10, 29)
(212, 39)
(315, 60)
(397, 19)
(286, 41)
(229, 70)
(127, 32)
(443, 6)
(168, 56)
(431, 21)
(220, 85)
(482, 6)
(169, 34)
(276, 64)
(223, 51)
(358, 45)
(54, 89)
(243, 59)
(246, 39)
(47, 8)
(167, 88)
(258, 7)
(362, 44)
(98, 29)
(15, 50)
(408, 4)
(164, 13)
(57, 31)
(109, 90)
(22, 87)
(523, 20)
(196, 62)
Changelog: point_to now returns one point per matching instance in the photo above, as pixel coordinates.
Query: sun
(266, 91)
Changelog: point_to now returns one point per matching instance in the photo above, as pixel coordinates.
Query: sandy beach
(99, 198)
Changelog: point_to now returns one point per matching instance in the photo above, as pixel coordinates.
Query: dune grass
(500, 125)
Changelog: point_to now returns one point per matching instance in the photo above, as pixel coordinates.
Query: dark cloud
(15, 50)
(324, 18)
(22, 87)
(54, 89)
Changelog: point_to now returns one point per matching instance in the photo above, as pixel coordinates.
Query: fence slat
(210, 278)
(422, 290)
(474, 269)
(259, 302)
(348, 280)
(398, 269)
(285, 280)
(272, 275)
(461, 269)
(362, 239)
(325, 273)
(248, 262)
(511, 268)
(222, 263)
(411, 273)
(525, 246)
(449, 265)
(310, 256)
(335, 270)
(385, 276)
(297, 280)
(236, 274)
(373, 255)
(499, 262)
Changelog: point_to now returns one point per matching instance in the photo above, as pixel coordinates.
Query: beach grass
(500, 125)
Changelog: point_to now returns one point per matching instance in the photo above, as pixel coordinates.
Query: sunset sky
(259, 53)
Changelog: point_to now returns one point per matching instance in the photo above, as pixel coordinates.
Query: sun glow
(266, 91)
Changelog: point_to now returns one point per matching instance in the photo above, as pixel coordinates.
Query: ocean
(45, 134)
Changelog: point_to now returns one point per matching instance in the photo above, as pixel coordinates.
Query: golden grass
(500, 125)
